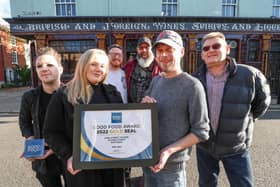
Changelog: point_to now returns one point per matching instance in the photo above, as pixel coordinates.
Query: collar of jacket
(109, 92)
(40, 88)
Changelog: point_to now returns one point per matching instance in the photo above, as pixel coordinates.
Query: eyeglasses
(214, 46)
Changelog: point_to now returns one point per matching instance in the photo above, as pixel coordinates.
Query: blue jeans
(238, 169)
(172, 175)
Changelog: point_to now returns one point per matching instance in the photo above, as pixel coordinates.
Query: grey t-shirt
(182, 109)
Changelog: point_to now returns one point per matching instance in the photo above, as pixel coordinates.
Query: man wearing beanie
(182, 113)
(140, 71)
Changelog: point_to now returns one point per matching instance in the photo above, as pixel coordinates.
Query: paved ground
(17, 172)
(10, 99)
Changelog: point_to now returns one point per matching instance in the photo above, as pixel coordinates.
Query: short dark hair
(49, 51)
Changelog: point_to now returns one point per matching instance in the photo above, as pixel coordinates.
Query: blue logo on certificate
(116, 117)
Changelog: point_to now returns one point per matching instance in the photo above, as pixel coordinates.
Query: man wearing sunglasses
(237, 95)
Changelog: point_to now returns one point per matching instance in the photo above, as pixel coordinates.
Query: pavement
(16, 172)
(10, 99)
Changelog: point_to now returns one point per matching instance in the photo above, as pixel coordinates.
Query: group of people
(214, 108)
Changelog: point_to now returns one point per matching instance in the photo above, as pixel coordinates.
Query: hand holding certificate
(115, 135)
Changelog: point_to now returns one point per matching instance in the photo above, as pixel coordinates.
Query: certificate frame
(121, 147)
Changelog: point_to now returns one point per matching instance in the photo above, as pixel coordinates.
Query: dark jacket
(29, 113)
(246, 97)
(129, 69)
(58, 127)
(29, 124)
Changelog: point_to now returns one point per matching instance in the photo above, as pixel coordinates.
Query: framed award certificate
(115, 135)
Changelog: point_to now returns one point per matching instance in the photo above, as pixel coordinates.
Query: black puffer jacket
(246, 97)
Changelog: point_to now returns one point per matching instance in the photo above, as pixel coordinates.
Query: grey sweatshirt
(182, 109)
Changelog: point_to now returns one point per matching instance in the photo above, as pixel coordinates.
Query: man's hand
(29, 159)
(148, 99)
(164, 155)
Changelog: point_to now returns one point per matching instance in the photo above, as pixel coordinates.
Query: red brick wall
(6, 49)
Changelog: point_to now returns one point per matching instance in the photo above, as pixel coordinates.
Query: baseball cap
(169, 37)
(144, 40)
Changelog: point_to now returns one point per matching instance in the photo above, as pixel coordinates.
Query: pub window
(253, 50)
(276, 8)
(274, 67)
(78, 46)
(130, 46)
(198, 49)
(14, 57)
(229, 8)
(65, 7)
(70, 51)
(169, 7)
(233, 44)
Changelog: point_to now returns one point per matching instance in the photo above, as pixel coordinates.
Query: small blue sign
(116, 117)
(34, 148)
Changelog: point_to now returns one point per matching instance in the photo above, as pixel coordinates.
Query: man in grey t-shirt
(182, 113)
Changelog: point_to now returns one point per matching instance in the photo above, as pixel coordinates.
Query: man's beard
(144, 63)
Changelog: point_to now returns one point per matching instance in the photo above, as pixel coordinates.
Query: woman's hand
(70, 166)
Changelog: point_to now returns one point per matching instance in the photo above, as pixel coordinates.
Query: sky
(5, 9)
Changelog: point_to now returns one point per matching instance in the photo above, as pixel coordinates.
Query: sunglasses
(214, 46)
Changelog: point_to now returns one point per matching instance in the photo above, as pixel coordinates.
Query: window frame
(171, 7)
(230, 8)
(276, 8)
(65, 7)
(253, 47)
(13, 40)
(14, 57)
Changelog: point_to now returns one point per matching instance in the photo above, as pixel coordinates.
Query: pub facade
(253, 41)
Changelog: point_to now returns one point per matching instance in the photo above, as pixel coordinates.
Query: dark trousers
(98, 177)
(49, 172)
(238, 169)
(48, 180)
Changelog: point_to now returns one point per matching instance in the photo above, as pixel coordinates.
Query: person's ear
(182, 52)
(60, 69)
(228, 49)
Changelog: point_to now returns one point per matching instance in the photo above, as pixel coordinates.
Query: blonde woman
(86, 87)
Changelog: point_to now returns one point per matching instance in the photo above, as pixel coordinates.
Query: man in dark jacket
(34, 104)
(237, 95)
(140, 71)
